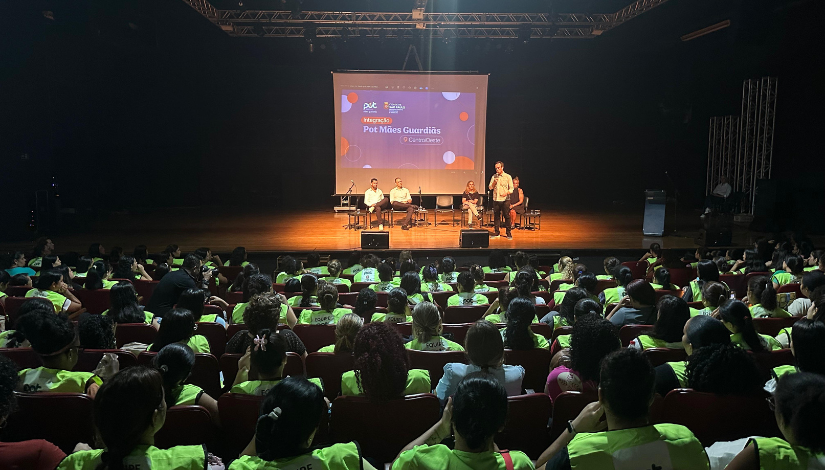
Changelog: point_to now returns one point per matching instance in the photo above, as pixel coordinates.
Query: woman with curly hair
(382, 368)
(398, 309)
(592, 340)
(672, 315)
(584, 307)
(723, 369)
(34, 453)
(346, 330)
(562, 269)
(265, 311)
(517, 334)
(365, 303)
(611, 264)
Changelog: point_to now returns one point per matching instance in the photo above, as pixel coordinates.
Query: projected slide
(407, 129)
(427, 129)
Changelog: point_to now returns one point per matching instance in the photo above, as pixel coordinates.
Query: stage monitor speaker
(376, 240)
(654, 224)
(474, 239)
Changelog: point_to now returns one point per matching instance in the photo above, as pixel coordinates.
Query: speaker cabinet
(376, 240)
(654, 223)
(474, 239)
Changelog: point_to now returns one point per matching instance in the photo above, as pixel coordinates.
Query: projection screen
(426, 128)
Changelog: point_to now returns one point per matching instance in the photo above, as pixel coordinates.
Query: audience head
(662, 277)
(309, 287)
(53, 337)
(140, 253)
(289, 418)
(810, 281)
(262, 312)
(484, 345)
(593, 338)
(238, 256)
(354, 258)
(370, 261)
(381, 362)
(173, 250)
(611, 263)
(800, 410)
(655, 249)
(5, 278)
(496, 259)
(397, 301)
(566, 266)
(345, 332)
(408, 265)
(641, 291)
(478, 274)
(426, 321)
(520, 314)
(174, 362)
(447, 264)
(587, 306)
(127, 407)
(520, 259)
(49, 261)
(328, 297)
(703, 330)
(96, 332)
(626, 385)
(42, 247)
(571, 298)
(737, 318)
(365, 302)
(313, 260)
(430, 274)
(588, 282)
(385, 272)
(20, 280)
(524, 283)
(411, 283)
(724, 369)
(334, 268)
(707, 270)
(178, 326)
(160, 271)
(479, 410)
(49, 280)
(761, 291)
(465, 282)
(115, 254)
(807, 338)
(268, 356)
(124, 306)
(672, 315)
(194, 300)
(192, 262)
(623, 275)
(256, 284)
(96, 250)
(714, 293)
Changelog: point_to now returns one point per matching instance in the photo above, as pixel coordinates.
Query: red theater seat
(464, 314)
(329, 367)
(186, 425)
(434, 361)
(315, 337)
(526, 425)
(536, 363)
(36, 415)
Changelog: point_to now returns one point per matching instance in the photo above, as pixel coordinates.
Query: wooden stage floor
(222, 229)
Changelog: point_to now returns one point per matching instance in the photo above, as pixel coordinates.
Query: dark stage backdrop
(139, 104)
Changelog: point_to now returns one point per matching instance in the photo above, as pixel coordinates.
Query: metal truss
(327, 24)
(742, 147)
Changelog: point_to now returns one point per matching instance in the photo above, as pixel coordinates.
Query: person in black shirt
(189, 276)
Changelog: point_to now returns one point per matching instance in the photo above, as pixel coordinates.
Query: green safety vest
(564, 341)
(558, 322)
(418, 381)
(36, 262)
(335, 457)
(142, 457)
(449, 277)
(261, 387)
(328, 349)
(295, 301)
(603, 277)
(436, 343)
(323, 270)
(383, 286)
(211, 318)
(435, 287)
(680, 370)
(783, 278)
(613, 295)
(41, 379)
(354, 269)
(539, 341)
(505, 269)
(771, 343)
(556, 276)
(779, 371)
(647, 342)
(468, 298)
(440, 456)
(147, 316)
(322, 317)
(225, 263)
(696, 291)
(187, 394)
(237, 312)
(281, 278)
(390, 318)
(4, 338)
(777, 454)
(481, 288)
(660, 287)
(670, 446)
(366, 275)
(57, 299)
(758, 311)
(338, 280)
(695, 313)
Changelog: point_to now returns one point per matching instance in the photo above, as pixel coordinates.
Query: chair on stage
(356, 217)
(444, 205)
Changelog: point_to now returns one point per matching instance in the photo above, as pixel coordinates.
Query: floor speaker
(377, 240)
(474, 239)
(654, 223)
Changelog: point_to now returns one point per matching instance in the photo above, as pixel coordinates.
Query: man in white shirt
(375, 201)
(402, 201)
(502, 185)
(719, 195)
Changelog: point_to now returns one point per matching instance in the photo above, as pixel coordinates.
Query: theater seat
(12, 306)
(145, 289)
(567, 406)
(536, 363)
(229, 367)
(543, 329)
(94, 301)
(440, 298)
(315, 337)
(637, 268)
(215, 334)
(329, 367)
(383, 429)
(494, 276)
(234, 297)
(239, 415)
(434, 361)
(186, 425)
(722, 418)
(682, 276)
(772, 326)
(134, 333)
(25, 358)
(464, 314)
(526, 425)
(628, 333)
(659, 356)
(459, 331)
(64, 419)
(88, 359)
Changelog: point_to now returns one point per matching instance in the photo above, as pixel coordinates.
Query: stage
(223, 228)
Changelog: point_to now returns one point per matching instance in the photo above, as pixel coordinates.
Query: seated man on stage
(375, 201)
(516, 202)
(402, 201)
(719, 195)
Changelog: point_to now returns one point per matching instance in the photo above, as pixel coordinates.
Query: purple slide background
(422, 109)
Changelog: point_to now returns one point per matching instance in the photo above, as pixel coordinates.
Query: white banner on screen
(426, 128)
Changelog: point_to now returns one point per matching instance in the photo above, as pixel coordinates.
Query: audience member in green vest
(637, 307)
(737, 318)
(520, 259)
(54, 339)
(411, 283)
(625, 439)
(369, 271)
(407, 265)
(707, 272)
(671, 315)
(179, 326)
(354, 263)
(584, 307)
(474, 432)
(252, 286)
(175, 362)
(49, 262)
(398, 308)
(497, 311)
(427, 328)
(699, 332)
(447, 272)
(382, 367)
(309, 293)
(248, 271)
(333, 273)
(564, 316)
(762, 299)
(385, 275)
(713, 295)
(478, 278)
(661, 280)
(128, 411)
(238, 257)
(195, 300)
(98, 276)
(268, 357)
(430, 282)
(365, 304)
(581, 278)
(808, 336)
(96, 332)
(654, 252)
(97, 252)
(799, 408)
(810, 281)
(329, 313)
(16, 338)
(314, 265)
(346, 330)
(517, 335)
(287, 424)
(562, 269)
(496, 263)
(466, 294)
(623, 276)
(611, 264)
(290, 267)
(50, 285)
(128, 268)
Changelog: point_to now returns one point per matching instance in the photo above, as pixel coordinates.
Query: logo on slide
(376, 120)
(372, 105)
(393, 108)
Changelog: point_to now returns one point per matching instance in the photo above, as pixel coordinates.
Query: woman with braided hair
(430, 281)
(526, 282)
(762, 299)
(426, 327)
(714, 294)
(723, 369)
(562, 270)
(309, 292)
(382, 368)
(398, 308)
(287, 424)
(128, 410)
(345, 332)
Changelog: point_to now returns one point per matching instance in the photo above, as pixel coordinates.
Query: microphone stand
(420, 210)
(348, 195)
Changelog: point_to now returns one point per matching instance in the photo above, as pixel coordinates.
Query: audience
(565, 317)
(713, 295)
(430, 281)
(411, 283)
(613, 295)
(195, 300)
(333, 273)
(369, 270)
(426, 328)
(671, 317)
(365, 303)
(309, 293)
(561, 270)
(521, 313)
(96, 332)
(737, 318)
(167, 292)
(329, 313)
(346, 330)
(398, 308)
(385, 276)
(265, 311)
(50, 286)
(175, 362)
(17, 265)
(179, 326)
(662, 280)
(699, 332)
(496, 263)
(466, 292)
(637, 307)
(762, 299)
(808, 336)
